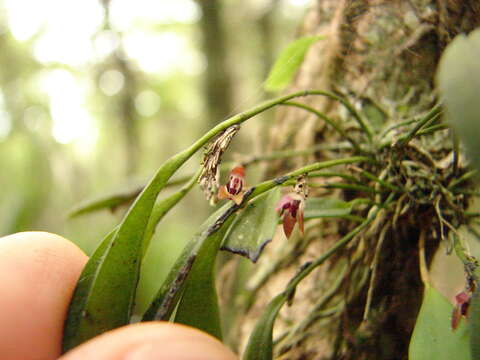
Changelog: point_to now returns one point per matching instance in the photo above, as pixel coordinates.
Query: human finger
(38, 273)
(152, 340)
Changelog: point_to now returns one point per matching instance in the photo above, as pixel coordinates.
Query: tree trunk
(217, 82)
(381, 55)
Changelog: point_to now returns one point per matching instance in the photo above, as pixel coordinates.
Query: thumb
(148, 341)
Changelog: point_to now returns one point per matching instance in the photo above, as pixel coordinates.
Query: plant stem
(278, 301)
(338, 245)
(432, 129)
(396, 126)
(276, 155)
(287, 341)
(352, 187)
(327, 119)
(384, 183)
(427, 120)
(333, 174)
(463, 178)
(243, 116)
(267, 185)
(373, 269)
(322, 175)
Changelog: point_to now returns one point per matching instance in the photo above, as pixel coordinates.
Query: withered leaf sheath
(301, 186)
(211, 160)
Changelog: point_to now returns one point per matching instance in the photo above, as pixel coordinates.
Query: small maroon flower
(291, 207)
(233, 190)
(461, 308)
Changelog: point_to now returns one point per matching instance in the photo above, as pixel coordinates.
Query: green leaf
(474, 324)
(169, 293)
(433, 337)
(116, 199)
(326, 207)
(198, 306)
(111, 202)
(458, 79)
(260, 343)
(233, 309)
(254, 227)
(162, 207)
(108, 301)
(74, 332)
(288, 62)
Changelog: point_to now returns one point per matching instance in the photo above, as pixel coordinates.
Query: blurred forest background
(96, 94)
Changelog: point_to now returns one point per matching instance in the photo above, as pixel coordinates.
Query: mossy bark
(381, 55)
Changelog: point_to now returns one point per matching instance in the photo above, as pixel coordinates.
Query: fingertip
(154, 340)
(38, 273)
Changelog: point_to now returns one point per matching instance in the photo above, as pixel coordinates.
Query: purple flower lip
(291, 208)
(233, 190)
(235, 185)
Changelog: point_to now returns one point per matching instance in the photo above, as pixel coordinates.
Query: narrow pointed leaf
(474, 324)
(74, 332)
(433, 337)
(326, 207)
(162, 207)
(169, 293)
(288, 63)
(111, 202)
(458, 79)
(108, 301)
(260, 343)
(198, 306)
(254, 227)
(119, 198)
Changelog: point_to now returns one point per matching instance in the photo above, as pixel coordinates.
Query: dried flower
(462, 301)
(291, 207)
(233, 190)
(301, 186)
(212, 158)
